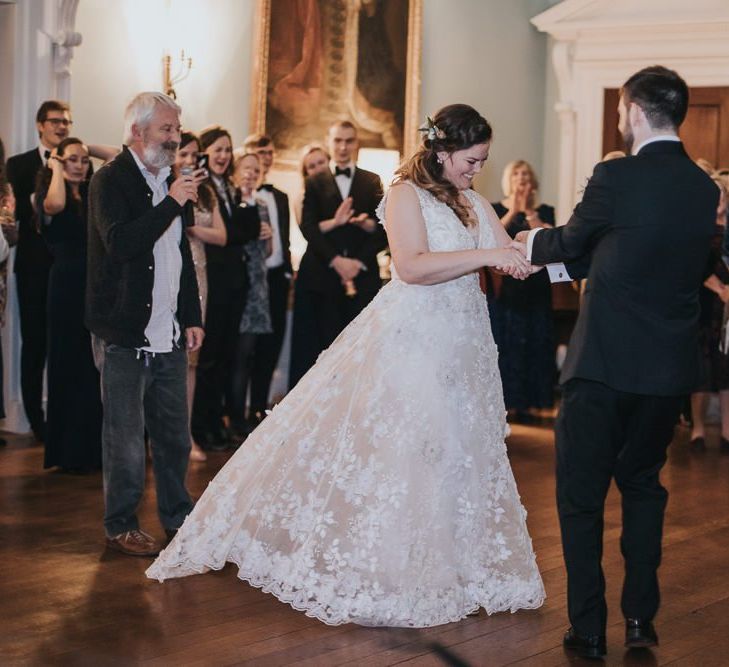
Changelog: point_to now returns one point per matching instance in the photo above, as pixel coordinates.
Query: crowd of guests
(156, 293)
(713, 325)
(182, 232)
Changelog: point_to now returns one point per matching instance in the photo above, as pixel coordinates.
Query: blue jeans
(141, 391)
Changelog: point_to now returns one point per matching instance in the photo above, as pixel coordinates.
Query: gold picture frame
(331, 59)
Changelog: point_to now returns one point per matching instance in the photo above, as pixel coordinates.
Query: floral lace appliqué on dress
(379, 491)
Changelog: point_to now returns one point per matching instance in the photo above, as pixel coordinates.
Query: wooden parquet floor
(64, 600)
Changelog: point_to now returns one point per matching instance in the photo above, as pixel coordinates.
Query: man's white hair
(140, 110)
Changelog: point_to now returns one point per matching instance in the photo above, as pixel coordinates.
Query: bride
(379, 491)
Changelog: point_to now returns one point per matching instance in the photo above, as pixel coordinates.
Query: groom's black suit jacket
(321, 200)
(641, 236)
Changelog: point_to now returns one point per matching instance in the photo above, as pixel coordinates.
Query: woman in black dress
(73, 440)
(714, 365)
(521, 310)
(304, 337)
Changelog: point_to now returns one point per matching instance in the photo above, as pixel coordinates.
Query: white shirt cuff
(557, 272)
(530, 242)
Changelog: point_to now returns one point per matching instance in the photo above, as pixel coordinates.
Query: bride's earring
(440, 160)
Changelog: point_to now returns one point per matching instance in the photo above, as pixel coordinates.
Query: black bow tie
(266, 186)
(47, 155)
(347, 171)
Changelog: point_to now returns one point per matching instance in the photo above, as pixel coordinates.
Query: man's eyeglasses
(56, 122)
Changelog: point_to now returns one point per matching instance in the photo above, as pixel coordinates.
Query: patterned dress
(256, 317)
(379, 490)
(203, 218)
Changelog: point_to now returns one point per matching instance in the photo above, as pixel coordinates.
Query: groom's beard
(628, 140)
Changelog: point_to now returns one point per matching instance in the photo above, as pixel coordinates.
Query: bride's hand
(509, 260)
(521, 247)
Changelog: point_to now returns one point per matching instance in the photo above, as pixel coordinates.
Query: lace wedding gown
(379, 490)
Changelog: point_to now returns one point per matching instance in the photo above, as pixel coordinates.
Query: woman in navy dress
(521, 310)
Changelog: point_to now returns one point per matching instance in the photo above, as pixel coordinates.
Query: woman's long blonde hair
(454, 128)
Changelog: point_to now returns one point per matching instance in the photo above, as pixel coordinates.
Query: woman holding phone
(208, 228)
(73, 441)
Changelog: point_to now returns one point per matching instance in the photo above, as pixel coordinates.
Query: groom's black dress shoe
(639, 633)
(587, 646)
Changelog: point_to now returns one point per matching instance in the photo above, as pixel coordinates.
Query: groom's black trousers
(603, 433)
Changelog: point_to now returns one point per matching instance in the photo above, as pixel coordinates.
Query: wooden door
(705, 132)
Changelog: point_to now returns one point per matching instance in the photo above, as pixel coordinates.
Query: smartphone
(202, 161)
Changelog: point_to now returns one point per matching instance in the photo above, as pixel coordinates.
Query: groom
(641, 236)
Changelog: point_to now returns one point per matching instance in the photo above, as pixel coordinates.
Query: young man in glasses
(32, 259)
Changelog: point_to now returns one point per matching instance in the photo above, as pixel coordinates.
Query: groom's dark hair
(661, 93)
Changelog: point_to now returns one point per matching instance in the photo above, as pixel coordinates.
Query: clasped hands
(512, 260)
(347, 268)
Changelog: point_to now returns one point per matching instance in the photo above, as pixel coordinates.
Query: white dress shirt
(344, 183)
(223, 191)
(42, 152)
(163, 328)
(276, 257)
(660, 137)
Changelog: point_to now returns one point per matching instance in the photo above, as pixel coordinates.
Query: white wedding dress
(379, 491)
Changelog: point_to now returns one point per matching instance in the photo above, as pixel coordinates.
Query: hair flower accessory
(431, 130)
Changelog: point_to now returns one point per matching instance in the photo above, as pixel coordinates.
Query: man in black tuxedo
(641, 236)
(339, 268)
(268, 346)
(33, 260)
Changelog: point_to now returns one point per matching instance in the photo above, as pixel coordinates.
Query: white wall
(121, 55)
(485, 53)
(549, 175)
(7, 48)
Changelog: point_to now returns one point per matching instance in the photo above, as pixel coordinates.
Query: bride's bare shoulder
(403, 205)
(402, 194)
(403, 187)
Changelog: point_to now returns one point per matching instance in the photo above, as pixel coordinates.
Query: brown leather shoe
(134, 543)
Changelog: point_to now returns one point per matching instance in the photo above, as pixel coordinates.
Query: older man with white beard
(143, 310)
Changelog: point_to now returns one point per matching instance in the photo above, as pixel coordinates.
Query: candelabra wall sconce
(169, 80)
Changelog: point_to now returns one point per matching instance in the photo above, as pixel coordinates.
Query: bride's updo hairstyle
(454, 128)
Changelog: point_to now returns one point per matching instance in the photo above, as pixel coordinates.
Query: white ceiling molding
(65, 40)
(44, 43)
(598, 44)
